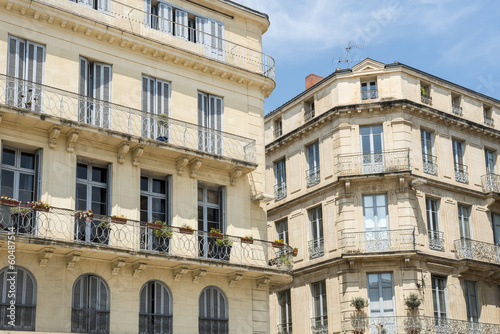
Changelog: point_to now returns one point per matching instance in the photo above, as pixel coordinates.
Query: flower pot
(278, 245)
(118, 220)
(154, 226)
(85, 215)
(186, 230)
(216, 235)
(40, 208)
(9, 202)
(246, 241)
(295, 252)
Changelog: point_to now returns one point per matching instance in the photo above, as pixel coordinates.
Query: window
(278, 128)
(488, 116)
(369, 90)
(211, 215)
(20, 179)
(309, 111)
(471, 301)
(376, 223)
(100, 5)
(464, 221)
(313, 172)
(371, 149)
(425, 92)
(155, 313)
(285, 311)
(92, 193)
(490, 159)
(455, 104)
(95, 91)
(26, 61)
(155, 206)
(381, 296)
(280, 177)
(429, 161)
(436, 241)
(210, 112)
(156, 104)
(316, 245)
(495, 217)
(213, 312)
(461, 172)
(24, 299)
(282, 230)
(90, 311)
(439, 297)
(320, 315)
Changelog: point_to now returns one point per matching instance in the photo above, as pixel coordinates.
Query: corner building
(139, 125)
(386, 180)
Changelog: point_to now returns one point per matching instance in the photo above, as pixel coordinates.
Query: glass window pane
(144, 183)
(8, 183)
(159, 186)
(213, 196)
(99, 174)
(200, 194)
(9, 157)
(81, 171)
(27, 160)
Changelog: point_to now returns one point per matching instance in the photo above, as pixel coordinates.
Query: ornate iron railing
(415, 325)
(457, 110)
(208, 325)
(369, 94)
(490, 183)
(279, 191)
(104, 231)
(378, 241)
(155, 323)
(426, 99)
(24, 317)
(308, 114)
(477, 250)
(89, 321)
(489, 121)
(85, 110)
(138, 22)
(285, 328)
(319, 325)
(313, 176)
(374, 163)
(436, 240)
(429, 163)
(278, 132)
(316, 248)
(461, 173)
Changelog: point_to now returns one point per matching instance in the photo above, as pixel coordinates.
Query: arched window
(213, 312)
(155, 313)
(20, 283)
(90, 313)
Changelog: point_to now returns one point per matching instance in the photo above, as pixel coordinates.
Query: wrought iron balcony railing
(461, 173)
(319, 325)
(89, 321)
(170, 241)
(416, 325)
(378, 241)
(279, 191)
(477, 250)
(285, 328)
(278, 132)
(436, 240)
(369, 94)
(426, 99)
(491, 183)
(308, 114)
(106, 115)
(489, 121)
(374, 163)
(429, 163)
(209, 325)
(457, 110)
(316, 248)
(24, 320)
(313, 176)
(138, 22)
(155, 323)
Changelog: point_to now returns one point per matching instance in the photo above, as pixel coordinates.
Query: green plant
(215, 231)
(225, 241)
(41, 204)
(279, 241)
(22, 209)
(164, 231)
(186, 226)
(284, 259)
(422, 91)
(163, 119)
(104, 222)
(359, 303)
(412, 301)
(248, 237)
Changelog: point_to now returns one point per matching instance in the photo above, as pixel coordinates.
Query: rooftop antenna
(348, 54)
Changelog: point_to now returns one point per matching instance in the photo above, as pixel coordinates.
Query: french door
(211, 213)
(381, 296)
(372, 158)
(377, 237)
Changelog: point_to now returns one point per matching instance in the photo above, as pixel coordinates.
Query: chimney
(312, 79)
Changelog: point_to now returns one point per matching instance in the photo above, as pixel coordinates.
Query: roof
(248, 9)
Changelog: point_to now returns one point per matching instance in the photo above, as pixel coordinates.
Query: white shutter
(34, 73)
(202, 121)
(83, 90)
(109, 186)
(162, 106)
(165, 15)
(216, 31)
(147, 106)
(102, 91)
(88, 3)
(222, 201)
(181, 24)
(147, 13)
(168, 182)
(103, 5)
(201, 26)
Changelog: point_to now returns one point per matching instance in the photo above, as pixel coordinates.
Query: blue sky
(453, 39)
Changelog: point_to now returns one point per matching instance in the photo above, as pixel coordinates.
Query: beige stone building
(133, 120)
(385, 179)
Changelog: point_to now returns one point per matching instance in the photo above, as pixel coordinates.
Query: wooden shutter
(222, 201)
(165, 16)
(163, 97)
(102, 91)
(83, 90)
(201, 25)
(103, 5)
(109, 186)
(169, 199)
(181, 24)
(147, 13)
(148, 106)
(34, 73)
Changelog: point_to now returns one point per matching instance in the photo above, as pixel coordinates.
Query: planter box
(186, 230)
(118, 220)
(246, 241)
(40, 208)
(216, 235)
(84, 215)
(278, 245)
(9, 202)
(154, 226)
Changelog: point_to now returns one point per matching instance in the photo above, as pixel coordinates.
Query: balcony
(153, 28)
(278, 132)
(312, 176)
(489, 121)
(316, 248)
(374, 163)
(279, 191)
(477, 250)
(285, 328)
(429, 163)
(308, 114)
(436, 240)
(457, 110)
(99, 114)
(461, 173)
(426, 99)
(416, 325)
(369, 94)
(491, 183)
(378, 241)
(319, 325)
(104, 232)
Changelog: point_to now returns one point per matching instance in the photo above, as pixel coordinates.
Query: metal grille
(461, 173)
(280, 191)
(477, 250)
(89, 321)
(490, 182)
(436, 240)
(154, 323)
(429, 163)
(374, 163)
(213, 326)
(25, 318)
(378, 241)
(316, 248)
(313, 176)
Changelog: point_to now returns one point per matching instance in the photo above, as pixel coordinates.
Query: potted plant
(103, 230)
(278, 243)
(222, 249)
(186, 229)
(215, 233)
(284, 260)
(40, 206)
(161, 239)
(358, 321)
(121, 219)
(154, 225)
(85, 214)
(248, 239)
(295, 251)
(413, 302)
(21, 218)
(4, 200)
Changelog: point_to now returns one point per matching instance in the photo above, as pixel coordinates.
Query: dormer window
(309, 110)
(425, 93)
(278, 128)
(488, 115)
(455, 104)
(369, 90)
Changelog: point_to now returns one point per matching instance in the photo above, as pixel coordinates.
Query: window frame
(437, 294)
(316, 243)
(207, 313)
(282, 230)
(471, 296)
(155, 104)
(18, 170)
(464, 221)
(149, 300)
(285, 310)
(322, 300)
(370, 91)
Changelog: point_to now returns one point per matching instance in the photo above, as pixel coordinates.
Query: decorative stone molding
(138, 269)
(194, 166)
(263, 282)
(122, 151)
(181, 163)
(234, 175)
(54, 133)
(137, 153)
(201, 273)
(179, 272)
(45, 255)
(233, 280)
(117, 266)
(72, 138)
(347, 185)
(457, 272)
(73, 259)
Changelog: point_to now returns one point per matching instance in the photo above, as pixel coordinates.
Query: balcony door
(156, 104)
(210, 110)
(490, 159)
(381, 296)
(211, 213)
(376, 223)
(428, 159)
(371, 148)
(496, 227)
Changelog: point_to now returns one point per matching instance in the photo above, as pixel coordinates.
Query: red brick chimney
(312, 79)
